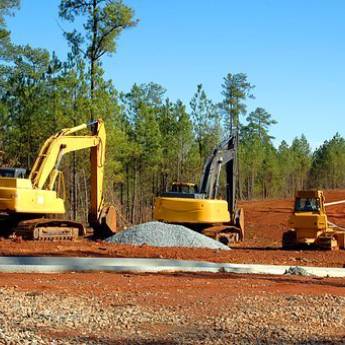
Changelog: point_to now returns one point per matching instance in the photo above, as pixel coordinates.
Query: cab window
(307, 205)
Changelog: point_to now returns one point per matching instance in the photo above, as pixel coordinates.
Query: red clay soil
(206, 286)
(265, 222)
(198, 296)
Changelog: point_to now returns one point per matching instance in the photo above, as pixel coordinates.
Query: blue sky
(292, 50)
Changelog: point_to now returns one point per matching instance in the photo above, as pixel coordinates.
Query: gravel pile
(298, 271)
(158, 234)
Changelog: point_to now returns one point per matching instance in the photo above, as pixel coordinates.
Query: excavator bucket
(106, 225)
(239, 222)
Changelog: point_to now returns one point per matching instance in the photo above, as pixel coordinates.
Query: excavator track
(48, 230)
(226, 234)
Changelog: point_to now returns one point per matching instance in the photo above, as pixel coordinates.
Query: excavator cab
(13, 172)
(184, 190)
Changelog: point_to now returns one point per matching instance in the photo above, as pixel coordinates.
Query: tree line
(152, 141)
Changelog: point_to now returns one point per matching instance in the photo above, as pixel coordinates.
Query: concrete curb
(73, 264)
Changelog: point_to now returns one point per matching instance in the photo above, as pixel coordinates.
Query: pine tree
(103, 23)
(327, 165)
(205, 119)
(236, 90)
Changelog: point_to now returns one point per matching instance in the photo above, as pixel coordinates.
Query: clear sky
(292, 50)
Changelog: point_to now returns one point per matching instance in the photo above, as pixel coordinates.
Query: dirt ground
(265, 222)
(106, 308)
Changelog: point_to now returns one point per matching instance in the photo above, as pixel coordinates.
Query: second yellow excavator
(25, 203)
(198, 207)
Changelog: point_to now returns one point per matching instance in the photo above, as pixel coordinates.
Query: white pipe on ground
(334, 203)
(71, 264)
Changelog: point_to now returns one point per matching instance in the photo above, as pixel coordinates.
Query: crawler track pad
(49, 230)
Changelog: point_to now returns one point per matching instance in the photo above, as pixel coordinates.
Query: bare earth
(105, 308)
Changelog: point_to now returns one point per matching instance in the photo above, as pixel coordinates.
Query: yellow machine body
(18, 196)
(309, 224)
(188, 210)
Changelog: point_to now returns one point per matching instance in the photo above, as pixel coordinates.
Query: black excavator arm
(224, 154)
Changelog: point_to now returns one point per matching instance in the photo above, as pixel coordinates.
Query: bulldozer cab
(309, 201)
(307, 205)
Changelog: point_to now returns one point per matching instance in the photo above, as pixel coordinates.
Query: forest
(152, 141)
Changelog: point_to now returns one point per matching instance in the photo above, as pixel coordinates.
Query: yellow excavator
(27, 203)
(198, 207)
(310, 226)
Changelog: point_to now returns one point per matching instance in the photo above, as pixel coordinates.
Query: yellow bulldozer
(309, 224)
(27, 204)
(198, 207)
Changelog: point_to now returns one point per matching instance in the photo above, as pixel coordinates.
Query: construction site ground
(265, 221)
(180, 308)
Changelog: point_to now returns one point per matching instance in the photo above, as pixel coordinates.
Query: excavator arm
(43, 172)
(223, 155)
(46, 167)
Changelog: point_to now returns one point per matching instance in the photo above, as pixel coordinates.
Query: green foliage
(236, 89)
(257, 156)
(151, 141)
(259, 122)
(206, 122)
(103, 23)
(24, 98)
(327, 170)
(7, 8)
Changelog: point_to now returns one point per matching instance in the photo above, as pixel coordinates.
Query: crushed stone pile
(298, 271)
(159, 234)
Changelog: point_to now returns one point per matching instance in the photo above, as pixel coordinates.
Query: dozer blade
(49, 230)
(289, 240)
